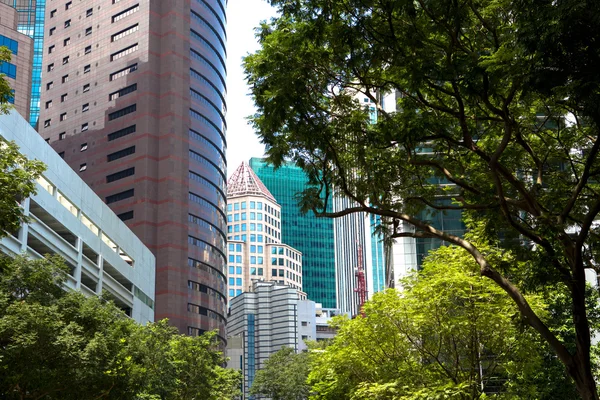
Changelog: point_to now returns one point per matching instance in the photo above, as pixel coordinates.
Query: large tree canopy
(58, 344)
(449, 334)
(496, 112)
(283, 376)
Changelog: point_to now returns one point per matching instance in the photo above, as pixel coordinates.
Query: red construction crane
(361, 285)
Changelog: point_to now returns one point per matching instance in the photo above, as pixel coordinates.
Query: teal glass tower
(31, 23)
(311, 235)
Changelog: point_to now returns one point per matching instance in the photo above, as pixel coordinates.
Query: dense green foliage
(495, 111)
(17, 181)
(283, 376)
(18, 174)
(449, 334)
(59, 344)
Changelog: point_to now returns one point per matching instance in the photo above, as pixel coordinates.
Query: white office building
(69, 219)
(268, 318)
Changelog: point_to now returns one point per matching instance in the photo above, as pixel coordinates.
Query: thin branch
(582, 181)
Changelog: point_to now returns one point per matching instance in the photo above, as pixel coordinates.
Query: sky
(242, 17)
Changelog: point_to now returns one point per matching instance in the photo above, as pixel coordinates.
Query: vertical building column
(24, 231)
(100, 260)
(77, 274)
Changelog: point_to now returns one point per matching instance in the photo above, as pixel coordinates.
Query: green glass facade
(311, 235)
(449, 221)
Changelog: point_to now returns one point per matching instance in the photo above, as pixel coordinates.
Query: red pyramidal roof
(244, 182)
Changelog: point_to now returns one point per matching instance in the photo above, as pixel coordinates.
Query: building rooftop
(244, 182)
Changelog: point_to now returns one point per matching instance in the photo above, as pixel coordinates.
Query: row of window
(253, 227)
(8, 69)
(68, 6)
(120, 154)
(200, 179)
(206, 247)
(120, 175)
(196, 309)
(124, 52)
(243, 227)
(12, 45)
(125, 13)
(122, 112)
(235, 270)
(207, 226)
(84, 108)
(205, 203)
(119, 196)
(218, 273)
(199, 287)
(121, 132)
(254, 216)
(253, 205)
(253, 238)
(126, 215)
(125, 32)
(86, 69)
(235, 281)
(286, 251)
(122, 92)
(48, 123)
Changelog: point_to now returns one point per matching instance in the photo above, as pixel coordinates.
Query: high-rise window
(122, 112)
(119, 196)
(125, 13)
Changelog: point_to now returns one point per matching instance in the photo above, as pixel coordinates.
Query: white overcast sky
(242, 17)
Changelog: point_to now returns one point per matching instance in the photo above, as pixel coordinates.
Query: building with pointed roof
(255, 251)
(245, 182)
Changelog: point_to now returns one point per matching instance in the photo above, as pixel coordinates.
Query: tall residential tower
(133, 98)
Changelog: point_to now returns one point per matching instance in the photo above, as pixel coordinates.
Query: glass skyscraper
(31, 23)
(311, 235)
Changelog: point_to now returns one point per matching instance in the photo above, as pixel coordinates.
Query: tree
(17, 182)
(448, 334)
(475, 130)
(170, 366)
(283, 376)
(57, 344)
(60, 344)
(17, 179)
(6, 92)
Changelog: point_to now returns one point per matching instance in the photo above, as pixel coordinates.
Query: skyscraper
(311, 235)
(31, 22)
(356, 234)
(17, 71)
(134, 100)
(255, 251)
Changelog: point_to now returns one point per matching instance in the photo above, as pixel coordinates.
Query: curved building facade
(133, 98)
